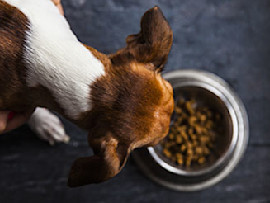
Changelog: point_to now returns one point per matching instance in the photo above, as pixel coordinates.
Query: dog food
(192, 136)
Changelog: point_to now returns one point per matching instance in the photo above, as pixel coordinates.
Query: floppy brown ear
(110, 158)
(152, 44)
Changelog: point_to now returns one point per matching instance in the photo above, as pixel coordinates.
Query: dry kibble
(190, 131)
(180, 102)
(183, 148)
(199, 130)
(184, 135)
(192, 137)
(171, 136)
(201, 160)
(188, 161)
(203, 117)
(178, 155)
(192, 120)
(195, 143)
(183, 128)
(189, 107)
(205, 131)
(199, 150)
(167, 153)
(189, 151)
(178, 139)
(178, 110)
(179, 158)
(206, 150)
(204, 139)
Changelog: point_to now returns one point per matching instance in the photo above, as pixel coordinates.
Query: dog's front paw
(48, 126)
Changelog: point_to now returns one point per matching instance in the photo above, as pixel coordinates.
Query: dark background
(229, 38)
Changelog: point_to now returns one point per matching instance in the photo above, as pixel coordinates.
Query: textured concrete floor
(228, 37)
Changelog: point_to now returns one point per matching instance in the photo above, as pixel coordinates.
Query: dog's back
(41, 51)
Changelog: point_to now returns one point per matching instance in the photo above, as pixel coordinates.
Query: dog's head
(132, 103)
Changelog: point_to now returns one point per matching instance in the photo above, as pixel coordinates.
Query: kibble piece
(181, 101)
(178, 110)
(204, 139)
(193, 136)
(201, 160)
(179, 155)
(199, 150)
(183, 127)
(167, 153)
(189, 151)
(183, 148)
(198, 129)
(188, 161)
(203, 117)
(179, 140)
(206, 150)
(184, 135)
(195, 143)
(179, 159)
(190, 131)
(192, 120)
(170, 136)
(205, 131)
(189, 107)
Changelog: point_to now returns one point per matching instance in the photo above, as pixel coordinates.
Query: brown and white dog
(120, 99)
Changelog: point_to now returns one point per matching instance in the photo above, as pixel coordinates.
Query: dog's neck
(56, 60)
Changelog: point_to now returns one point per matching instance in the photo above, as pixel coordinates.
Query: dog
(121, 99)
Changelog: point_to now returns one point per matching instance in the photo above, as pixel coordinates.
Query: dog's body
(120, 99)
(51, 58)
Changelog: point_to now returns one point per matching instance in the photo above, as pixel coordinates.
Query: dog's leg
(48, 126)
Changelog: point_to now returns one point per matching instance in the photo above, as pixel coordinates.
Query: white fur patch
(55, 57)
(48, 126)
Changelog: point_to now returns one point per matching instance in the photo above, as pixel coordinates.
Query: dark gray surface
(229, 38)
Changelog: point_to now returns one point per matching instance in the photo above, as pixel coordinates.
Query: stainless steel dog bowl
(212, 91)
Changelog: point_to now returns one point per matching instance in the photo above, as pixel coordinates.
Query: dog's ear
(110, 157)
(152, 44)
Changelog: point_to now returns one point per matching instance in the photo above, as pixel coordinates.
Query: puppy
(120, 99)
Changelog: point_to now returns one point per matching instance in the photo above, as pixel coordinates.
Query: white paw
(48, 126)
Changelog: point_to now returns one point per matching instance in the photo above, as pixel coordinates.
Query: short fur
(131, 104)
(54, 56)
(136, 109)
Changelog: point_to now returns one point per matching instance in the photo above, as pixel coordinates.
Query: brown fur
(131, 103)
(152, 44)
(14, 94)
(13, 25)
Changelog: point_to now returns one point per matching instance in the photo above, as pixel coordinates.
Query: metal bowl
(209, 90)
